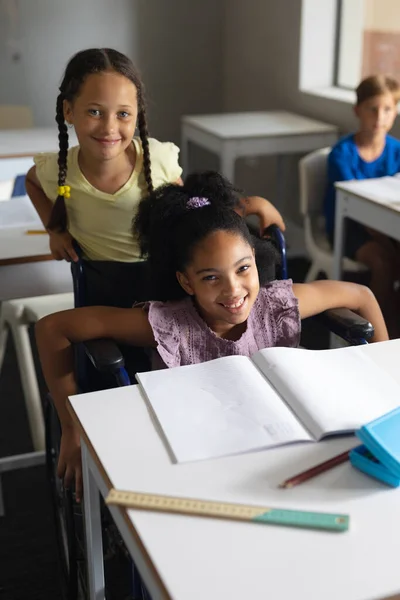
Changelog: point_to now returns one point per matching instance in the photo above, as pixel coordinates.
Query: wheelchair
(101, 364)
(108, 284)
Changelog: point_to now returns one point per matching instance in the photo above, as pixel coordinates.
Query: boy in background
(369, 153)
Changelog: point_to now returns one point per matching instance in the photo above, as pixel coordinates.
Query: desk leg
(227, 162)
(280, 184)
(340, 230)
(94, 543)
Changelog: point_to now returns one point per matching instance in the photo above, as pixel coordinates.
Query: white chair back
(312, 173)
(313, 184)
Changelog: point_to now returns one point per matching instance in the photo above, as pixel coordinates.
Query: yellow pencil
(35, 231)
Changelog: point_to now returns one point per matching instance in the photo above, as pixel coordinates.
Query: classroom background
(196, 58)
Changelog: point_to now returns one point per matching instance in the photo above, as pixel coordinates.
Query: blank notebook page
(330, 390)
(217, 408)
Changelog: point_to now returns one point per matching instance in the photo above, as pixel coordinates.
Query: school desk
(27, 142)
(374, 203)
(27, 267)
(194, 558)
(251, 134)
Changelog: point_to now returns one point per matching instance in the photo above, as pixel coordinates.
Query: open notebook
(281, 395)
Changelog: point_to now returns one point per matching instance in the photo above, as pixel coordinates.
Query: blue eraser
(365, 461)
(382, 439)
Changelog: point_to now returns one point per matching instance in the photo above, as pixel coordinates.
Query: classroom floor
(28, 563)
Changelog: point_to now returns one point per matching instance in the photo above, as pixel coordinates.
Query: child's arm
(265, 211)
(55, 335)
(42, 204)
(60, 243)
(318, 296)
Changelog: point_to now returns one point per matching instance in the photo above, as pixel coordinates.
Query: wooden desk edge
(21, 260)
(123, 511)
(19, 154)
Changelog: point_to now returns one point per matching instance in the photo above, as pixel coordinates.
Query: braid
(58, 217)
(144, 138)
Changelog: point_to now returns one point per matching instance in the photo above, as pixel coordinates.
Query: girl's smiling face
(223, 279)
(104, 115)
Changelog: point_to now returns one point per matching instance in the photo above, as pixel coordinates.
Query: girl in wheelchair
(209, 299)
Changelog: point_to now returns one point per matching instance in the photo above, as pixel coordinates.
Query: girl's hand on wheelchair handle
(70, 462)
(61, 246)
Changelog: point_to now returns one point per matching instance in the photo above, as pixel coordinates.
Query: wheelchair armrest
(104, 355)
(346, 324)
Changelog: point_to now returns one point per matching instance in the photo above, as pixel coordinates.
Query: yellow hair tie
(64, 190)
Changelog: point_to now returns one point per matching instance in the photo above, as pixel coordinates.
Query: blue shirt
(345, 163)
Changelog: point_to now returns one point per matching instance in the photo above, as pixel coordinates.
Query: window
(368, 40)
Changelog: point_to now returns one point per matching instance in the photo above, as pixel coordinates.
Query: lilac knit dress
(183, 338)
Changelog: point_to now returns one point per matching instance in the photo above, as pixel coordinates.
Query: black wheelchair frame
(106, 358)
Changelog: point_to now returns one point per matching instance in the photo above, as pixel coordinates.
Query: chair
(313, 183)
(19, 188)
(16, 316)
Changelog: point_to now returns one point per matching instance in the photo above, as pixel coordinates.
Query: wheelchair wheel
(67, 515)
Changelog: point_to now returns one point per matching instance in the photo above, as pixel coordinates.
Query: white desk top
(16, 244)
(256, 124)
(205, 558)
(381, 190)
(17, 216)
(27, 142)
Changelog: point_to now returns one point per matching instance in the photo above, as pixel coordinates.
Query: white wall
(177, 45)
(51, 31)
(383, 15)
(12, 70)
(180, 56)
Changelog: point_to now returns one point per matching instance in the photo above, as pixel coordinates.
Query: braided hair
(82, 64)
(168, 232)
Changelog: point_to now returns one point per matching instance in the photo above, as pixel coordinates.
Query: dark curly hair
(168, 232)
(82, 64)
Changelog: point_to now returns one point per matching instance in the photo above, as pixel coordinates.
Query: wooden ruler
(224, 510)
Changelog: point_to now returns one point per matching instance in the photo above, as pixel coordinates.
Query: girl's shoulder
(164, 158)
(168, 321)
(47, 169)
(277, 294)
(168, 312)
(277, 309)
(47, 162)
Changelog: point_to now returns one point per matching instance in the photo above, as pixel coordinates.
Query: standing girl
(89, 193)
